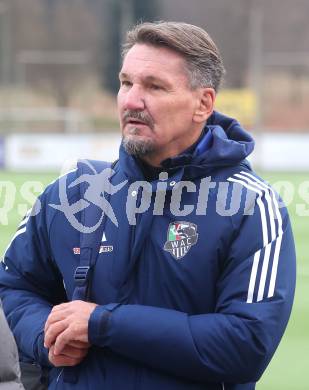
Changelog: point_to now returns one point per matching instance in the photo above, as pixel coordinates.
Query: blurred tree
(228, 24)
(117, 17)
(145, 10)
(97, 27)
(5, 43)
(109, 44)
(55, 42)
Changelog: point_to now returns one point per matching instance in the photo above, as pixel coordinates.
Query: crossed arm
(66, 333)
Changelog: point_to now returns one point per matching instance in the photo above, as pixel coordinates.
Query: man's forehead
(152, 61)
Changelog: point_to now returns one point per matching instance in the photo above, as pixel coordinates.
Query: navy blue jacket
(195, 285)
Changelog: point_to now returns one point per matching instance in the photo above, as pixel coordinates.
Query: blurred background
(59, 63)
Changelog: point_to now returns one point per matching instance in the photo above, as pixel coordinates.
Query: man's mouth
(135, 122)
(137, 118)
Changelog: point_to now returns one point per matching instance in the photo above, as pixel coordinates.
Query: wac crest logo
(180, 237)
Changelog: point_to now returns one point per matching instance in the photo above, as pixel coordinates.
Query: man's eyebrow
(154, 78)
(123, 75)
(161, 81)
(147, 79)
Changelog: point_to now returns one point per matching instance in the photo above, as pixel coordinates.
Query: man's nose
(134, 99)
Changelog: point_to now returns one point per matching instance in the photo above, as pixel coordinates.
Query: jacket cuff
(41, 353)
(98, 323)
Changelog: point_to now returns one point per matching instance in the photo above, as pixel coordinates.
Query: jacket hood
(231, 143)
(225, 143)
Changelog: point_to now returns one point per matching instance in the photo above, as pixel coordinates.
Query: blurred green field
(289, 368)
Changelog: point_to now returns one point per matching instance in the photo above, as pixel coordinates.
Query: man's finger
(62, 360)
(65, 305)
(63, 338)
(72, 352)
(79, 344)
(62, 306)
(55, 317)
(53, 332)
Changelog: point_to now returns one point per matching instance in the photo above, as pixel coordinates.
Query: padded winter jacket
(194, 276)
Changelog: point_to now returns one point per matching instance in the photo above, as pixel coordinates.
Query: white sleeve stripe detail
(264, 222)
(269, 203)
(28, 213)
(273, 235)
(253, 276)
(24, 221)
(265, 244)
(264, 272)
(275, 201)
(20, 231)
(261, 206)
(64, 174)
(274, 271)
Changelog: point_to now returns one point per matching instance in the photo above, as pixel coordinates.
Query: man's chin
(138, 146)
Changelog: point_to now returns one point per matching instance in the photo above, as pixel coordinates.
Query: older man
(191, 282)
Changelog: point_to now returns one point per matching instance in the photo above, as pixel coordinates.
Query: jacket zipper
(59, 375)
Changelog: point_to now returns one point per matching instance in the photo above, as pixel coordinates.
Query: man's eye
(155, 87)
(125, 83)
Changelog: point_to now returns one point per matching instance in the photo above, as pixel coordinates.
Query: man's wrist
(40, 352)
(98, 324)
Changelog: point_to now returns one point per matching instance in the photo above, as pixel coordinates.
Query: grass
(288, 369)
(20, 201)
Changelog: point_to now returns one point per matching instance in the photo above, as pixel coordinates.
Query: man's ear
(205, 106)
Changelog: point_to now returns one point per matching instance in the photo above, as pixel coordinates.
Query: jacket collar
(224, 143)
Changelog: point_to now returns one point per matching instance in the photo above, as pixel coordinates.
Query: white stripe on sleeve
(255, 265)
(269, 203)
(274, 271)
(18, 233)
(252, 183)
(260, 204)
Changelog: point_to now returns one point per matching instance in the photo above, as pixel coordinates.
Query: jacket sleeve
(234, 343)
(30, 284)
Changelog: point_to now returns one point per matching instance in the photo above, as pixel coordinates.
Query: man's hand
(68, 323)
(71, 355)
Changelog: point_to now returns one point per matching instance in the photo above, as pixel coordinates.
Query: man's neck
(155, 159)
(151, 172)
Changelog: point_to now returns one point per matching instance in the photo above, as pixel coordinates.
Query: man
(9, 366)
(193, 284)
